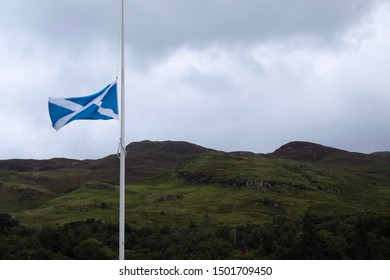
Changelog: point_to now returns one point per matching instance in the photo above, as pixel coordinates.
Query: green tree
(6, 223)
(310, 243)
(93, 249)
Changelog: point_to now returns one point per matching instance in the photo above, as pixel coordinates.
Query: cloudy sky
(225, 74)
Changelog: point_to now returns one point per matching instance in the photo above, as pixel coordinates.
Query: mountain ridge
(296, 150)
(146, 159)
(297, 164)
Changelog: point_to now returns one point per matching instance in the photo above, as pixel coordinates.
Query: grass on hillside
(176, 204)
(65, 196)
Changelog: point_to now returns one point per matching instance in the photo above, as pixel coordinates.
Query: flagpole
(122, 144)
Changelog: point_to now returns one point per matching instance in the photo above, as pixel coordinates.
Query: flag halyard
(99, 106)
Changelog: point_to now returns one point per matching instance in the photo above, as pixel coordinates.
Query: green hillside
(177, 189)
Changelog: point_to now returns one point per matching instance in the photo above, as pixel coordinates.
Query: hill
(304, 151)
(303, 166)
(27, 183)
(146, 159)
(172, 187)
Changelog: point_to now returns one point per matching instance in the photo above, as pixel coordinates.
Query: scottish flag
(99, 106)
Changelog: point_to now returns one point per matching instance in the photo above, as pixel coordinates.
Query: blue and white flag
(99, 106)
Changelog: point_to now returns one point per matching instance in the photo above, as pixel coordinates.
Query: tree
(93, 249)
(6, 222)
(310, 243)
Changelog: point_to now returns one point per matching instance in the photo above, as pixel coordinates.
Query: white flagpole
(122, 146)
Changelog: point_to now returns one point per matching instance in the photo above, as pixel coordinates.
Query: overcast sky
(225, 74)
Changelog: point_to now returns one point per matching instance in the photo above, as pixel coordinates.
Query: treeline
(316, 236)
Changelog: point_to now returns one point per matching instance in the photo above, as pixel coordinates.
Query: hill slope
(295, 176)
(173, 187)
(27, 183)
(304, 151)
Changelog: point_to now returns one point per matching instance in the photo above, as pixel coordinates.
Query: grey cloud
(72, 25)
(230, 75)
(155, 27)
(163, 24)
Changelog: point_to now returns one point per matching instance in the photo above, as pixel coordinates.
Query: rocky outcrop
(170, 197)
(256, 184)
(334, 189)
(29, 194)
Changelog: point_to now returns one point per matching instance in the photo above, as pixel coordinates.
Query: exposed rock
(99, 186)
(170, 197)
(258, 184)
(29, 194)
(300, 166)
(334, 189)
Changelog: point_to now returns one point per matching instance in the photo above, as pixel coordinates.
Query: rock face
(334, 189)
(29, 194)
(170, 197)
(256, 184)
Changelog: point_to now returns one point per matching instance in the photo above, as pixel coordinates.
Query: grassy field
(223, 189)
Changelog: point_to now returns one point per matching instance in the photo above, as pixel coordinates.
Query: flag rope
(121, 147)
